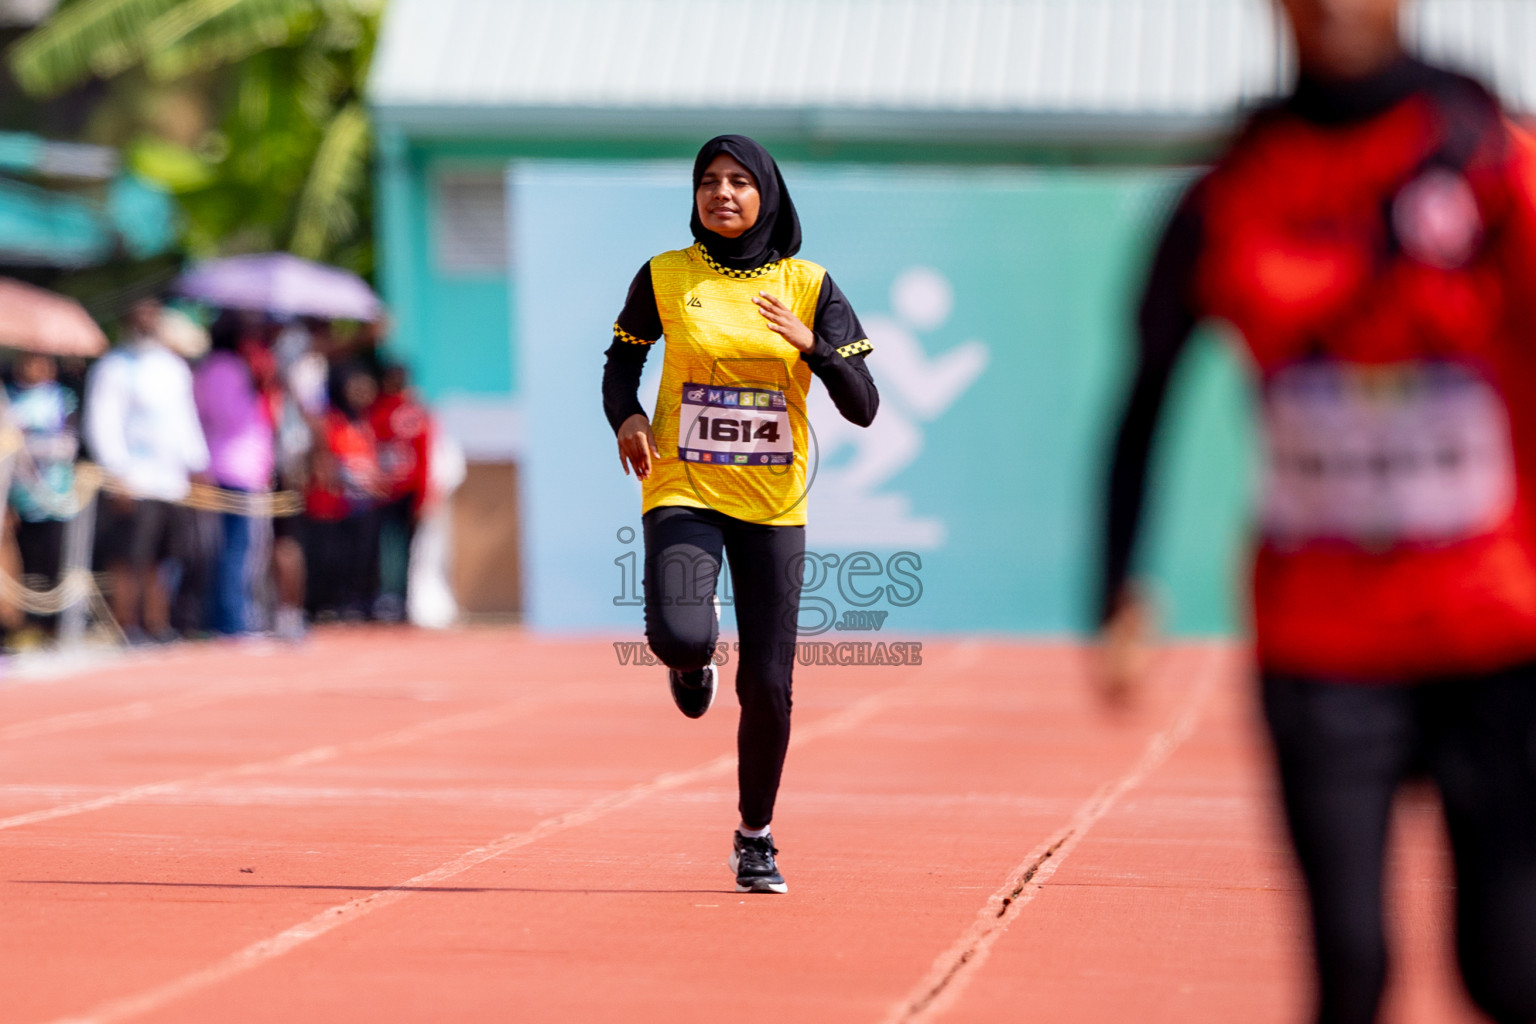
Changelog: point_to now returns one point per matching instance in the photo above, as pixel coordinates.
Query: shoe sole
(695, 714)
(714, 689)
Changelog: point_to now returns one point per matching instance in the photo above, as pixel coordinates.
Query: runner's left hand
(782, 320)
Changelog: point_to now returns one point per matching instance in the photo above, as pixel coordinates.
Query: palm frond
(318, 84)
(367, 10)
(200, 34)
(93, 37)
(327, 209)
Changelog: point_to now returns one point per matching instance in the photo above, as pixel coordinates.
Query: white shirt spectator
(141, 421)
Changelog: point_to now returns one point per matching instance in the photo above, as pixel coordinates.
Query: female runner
(724, 466)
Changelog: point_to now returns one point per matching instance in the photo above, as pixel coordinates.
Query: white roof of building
(878, 68)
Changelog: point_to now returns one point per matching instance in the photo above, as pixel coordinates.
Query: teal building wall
(452, 328)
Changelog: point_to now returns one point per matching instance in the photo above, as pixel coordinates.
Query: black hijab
(776, 235)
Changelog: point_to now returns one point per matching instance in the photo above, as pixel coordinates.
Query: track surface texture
(481, 826)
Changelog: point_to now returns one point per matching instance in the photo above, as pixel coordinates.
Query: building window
(471, 222)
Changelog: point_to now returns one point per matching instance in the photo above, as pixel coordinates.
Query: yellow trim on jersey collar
(854, 348)
(740, 275)
(623, 335)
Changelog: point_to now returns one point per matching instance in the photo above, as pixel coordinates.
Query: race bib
(1380, 455)
(726, 426)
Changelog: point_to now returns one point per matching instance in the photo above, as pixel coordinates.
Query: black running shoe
(693, 692)
(752, 860)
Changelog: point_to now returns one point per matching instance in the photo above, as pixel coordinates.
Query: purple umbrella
(282, 284)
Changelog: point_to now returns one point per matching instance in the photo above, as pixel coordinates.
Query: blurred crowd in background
(256, 476)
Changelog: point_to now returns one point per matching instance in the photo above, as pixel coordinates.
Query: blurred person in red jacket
(403, 429)
(341, 533)
(1372, 239)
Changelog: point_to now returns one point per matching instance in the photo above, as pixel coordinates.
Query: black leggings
(41, 544)
(1343, 751)
(341, 557)
(682, 563)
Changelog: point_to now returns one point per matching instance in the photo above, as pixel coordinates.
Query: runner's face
(1344, 38)
(727, 198)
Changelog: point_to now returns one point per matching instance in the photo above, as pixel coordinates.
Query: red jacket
(1363, 252)
(403, 429)
(1379, 268)
(346, 476)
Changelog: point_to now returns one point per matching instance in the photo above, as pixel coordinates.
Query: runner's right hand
(636, 445)
(1124, 650)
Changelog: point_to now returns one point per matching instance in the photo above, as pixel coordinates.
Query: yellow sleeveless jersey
(730, 419)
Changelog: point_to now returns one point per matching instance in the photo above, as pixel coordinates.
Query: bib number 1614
(718, 428)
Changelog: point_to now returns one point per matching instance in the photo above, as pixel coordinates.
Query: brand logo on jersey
(1437, 220)
(741, 460)
(693, 300)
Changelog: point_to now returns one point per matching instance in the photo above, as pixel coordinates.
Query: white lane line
(334, 917)
(136, 711)
(956, 966)
(253, 684)
(315, 755)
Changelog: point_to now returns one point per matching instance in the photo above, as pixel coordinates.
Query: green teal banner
(999, 303)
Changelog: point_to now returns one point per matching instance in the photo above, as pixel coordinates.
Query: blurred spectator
(301, 372)
(238, 425)
(198, 554)
(143, 429)
(402, 428)
(342, 531)
(324, 344)
(431, 603)
(182, 335)
(367, 347)
(42, 489)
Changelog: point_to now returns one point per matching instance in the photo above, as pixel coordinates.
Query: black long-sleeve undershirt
(846, 378)
(1166, 319)
(621, 381)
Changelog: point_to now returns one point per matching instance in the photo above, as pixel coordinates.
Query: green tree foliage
(285, 162)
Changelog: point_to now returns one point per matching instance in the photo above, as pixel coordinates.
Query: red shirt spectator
(403, 429)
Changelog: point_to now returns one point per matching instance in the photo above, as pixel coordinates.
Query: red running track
(479, 826)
